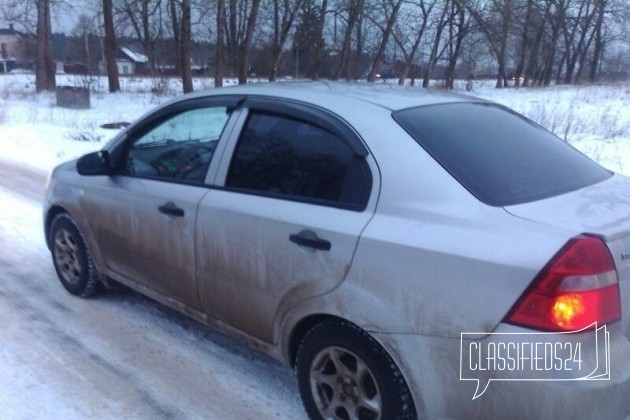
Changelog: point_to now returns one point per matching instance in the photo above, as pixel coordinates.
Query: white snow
(123, 356)
(594, 119)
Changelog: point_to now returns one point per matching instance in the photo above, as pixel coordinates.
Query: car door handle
(171, 209)
(309, 239)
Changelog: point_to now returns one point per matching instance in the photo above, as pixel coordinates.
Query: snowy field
(121, 355)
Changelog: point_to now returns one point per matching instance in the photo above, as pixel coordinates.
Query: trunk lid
(602, 209)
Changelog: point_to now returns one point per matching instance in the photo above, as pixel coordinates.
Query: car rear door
(293, 195)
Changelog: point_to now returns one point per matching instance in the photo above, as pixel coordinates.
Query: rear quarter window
(501, 157)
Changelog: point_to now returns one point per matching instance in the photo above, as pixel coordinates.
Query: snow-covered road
(119, 355)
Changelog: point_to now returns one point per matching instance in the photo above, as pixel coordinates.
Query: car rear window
(501, 157)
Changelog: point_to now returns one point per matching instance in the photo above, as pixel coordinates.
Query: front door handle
(170, 209)
(309, 239)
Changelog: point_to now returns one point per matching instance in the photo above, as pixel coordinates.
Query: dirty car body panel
(271, 211)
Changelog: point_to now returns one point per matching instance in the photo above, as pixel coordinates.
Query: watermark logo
(568, 356)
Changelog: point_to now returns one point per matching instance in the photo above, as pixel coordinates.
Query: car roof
(327, 94)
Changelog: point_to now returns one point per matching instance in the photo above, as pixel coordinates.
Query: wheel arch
(50, 215)
(315, 324)
(301, 329)
(367, 312)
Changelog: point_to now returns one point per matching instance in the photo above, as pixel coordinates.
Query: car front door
(284, 219)
(144, 214)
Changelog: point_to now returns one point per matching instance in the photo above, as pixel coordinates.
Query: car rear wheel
(343, 373)
(72, 258)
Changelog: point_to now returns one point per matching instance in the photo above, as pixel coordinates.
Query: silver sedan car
(411, 254)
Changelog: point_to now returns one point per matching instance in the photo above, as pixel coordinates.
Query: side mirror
(96, 163)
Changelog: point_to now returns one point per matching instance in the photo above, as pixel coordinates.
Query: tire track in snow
(34, 307)
(22, 180)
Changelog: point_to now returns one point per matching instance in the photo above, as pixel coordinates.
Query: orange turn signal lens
(566, 309)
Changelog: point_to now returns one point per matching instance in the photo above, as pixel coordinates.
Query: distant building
(130, 61)
(13, 50)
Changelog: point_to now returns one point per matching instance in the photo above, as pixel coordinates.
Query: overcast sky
(64, 18)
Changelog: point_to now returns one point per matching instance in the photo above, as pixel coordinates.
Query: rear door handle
(171, 209)
(309, 239)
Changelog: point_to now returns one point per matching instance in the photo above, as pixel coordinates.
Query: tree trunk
(247, 41)
(319, 46)
(45, 67)
(148, 44)
(503, 40)
(110, 47)
(218, 65)
(581, 27)
(176, 34)
(532, 72)
(232, 36)
(462, 31)
(599, 43)
(344, 56)
(411, 56)
(186, 47)
(380, 52)
(520, 67)
(583, 56)
(501, 74)
(282, 27)
(434, 50)
(556, 27)
(353, 65)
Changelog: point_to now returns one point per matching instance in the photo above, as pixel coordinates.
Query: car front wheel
(343, 373)
(72, 258)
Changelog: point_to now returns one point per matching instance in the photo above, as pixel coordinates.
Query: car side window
(179, 147)
(289, 158)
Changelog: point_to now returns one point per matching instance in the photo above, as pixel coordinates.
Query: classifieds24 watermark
(567, 356)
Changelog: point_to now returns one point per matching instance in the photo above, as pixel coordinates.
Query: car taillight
(576, 288)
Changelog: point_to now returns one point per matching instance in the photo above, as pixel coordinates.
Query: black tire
(333, 382)
(72, 258)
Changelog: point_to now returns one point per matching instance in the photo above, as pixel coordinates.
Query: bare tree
(176, 27)
(458, 28)
(218, 65)
(524, 45)
(598, 52)
(389, 9)
(494, 18)
(141, 15)
(44, 67)
(319, 43)
(408, 37)
(435, 49)
(284, 14)
(240, 25)
(354, 9)
(110, 47)
(576, 37)
(308, 37)
(185, 47)
(537, 22)
(556, 16)
(83, 29)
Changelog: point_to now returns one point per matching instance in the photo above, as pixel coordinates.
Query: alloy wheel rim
(67, 256)
(344, 387)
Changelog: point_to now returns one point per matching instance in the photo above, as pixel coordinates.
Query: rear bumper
(431, 366)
